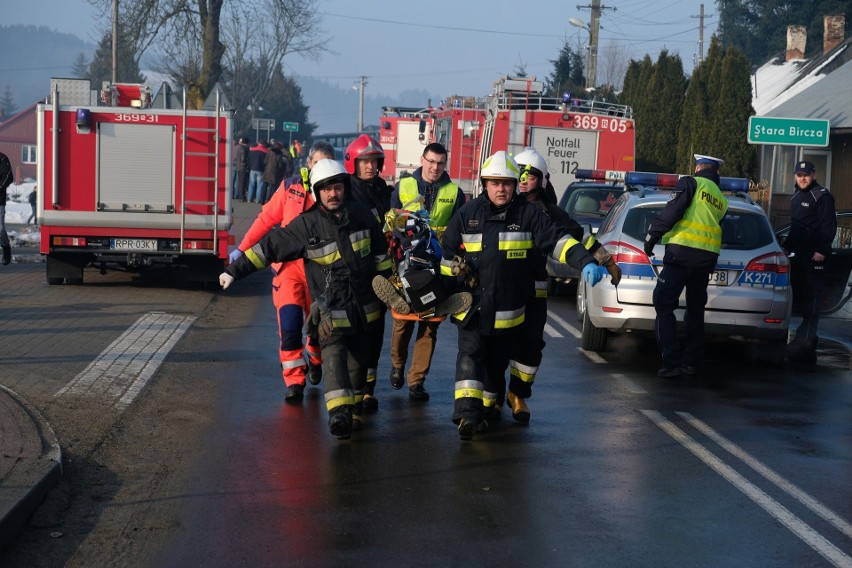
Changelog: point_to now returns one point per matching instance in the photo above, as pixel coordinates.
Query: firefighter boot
(340, 422)
(294, 394)
(371, 403)
(605, 260)
(454, 304)
(388, 294)
(467, 428)
(314, 373)
(520, 410)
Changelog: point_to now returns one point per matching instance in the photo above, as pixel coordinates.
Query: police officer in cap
(812, 230)
(690, 228)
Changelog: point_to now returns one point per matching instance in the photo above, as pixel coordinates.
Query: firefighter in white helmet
(344, 248)
(491, 245)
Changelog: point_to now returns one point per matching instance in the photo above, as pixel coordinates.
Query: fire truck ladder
(214, 179)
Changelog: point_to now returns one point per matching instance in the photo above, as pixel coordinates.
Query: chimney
(833, 32)
(796, 38)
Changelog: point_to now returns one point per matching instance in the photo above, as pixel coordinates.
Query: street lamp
(590, 66)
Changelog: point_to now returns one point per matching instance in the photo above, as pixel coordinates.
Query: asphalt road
(179, 449)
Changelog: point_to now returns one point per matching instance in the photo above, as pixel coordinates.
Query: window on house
(28, 154)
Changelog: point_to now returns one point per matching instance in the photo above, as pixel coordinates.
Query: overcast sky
(447, 46)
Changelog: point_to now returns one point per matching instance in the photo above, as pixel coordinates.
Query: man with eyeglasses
(813, 226)
(429, 188)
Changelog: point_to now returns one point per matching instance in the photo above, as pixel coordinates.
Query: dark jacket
(683, 193)
(538, 197)
(240, 157)
(342, 253)
(375, 195)
(506, 275)
(257, 158)
(277, 167)
(813, 222)
(6, 176)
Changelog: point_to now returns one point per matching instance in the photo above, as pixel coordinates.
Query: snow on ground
(18, 210)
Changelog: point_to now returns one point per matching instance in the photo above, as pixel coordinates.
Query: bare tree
(615, 58)
(188, 34)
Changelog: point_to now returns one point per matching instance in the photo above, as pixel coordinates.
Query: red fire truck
(569, 132)
(403, 133)
(124, 185)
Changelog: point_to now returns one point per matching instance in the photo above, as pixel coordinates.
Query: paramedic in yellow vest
(440, 198)
(690, 227)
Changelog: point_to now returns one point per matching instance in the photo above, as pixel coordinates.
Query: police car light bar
(600, 175)
(731, 184)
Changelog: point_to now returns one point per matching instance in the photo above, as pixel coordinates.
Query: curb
(35, 469)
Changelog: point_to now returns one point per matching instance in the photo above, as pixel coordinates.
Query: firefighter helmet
(500, 165)
(532, 162)
(364, 146)
(325, 172)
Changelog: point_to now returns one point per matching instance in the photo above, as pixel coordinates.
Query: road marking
(567, 326)
(769, 474)
(121, 371)
(767, 503)
(593, 357)
(551, 331)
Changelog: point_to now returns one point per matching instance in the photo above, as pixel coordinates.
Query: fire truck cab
(124, 185)
(403, 133)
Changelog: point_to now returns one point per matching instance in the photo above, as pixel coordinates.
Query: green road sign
(290, 126)
(787, 131)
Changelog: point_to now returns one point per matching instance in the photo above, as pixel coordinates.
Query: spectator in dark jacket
(276, 169)
(239, 160)
(6, 179)
(256, 163)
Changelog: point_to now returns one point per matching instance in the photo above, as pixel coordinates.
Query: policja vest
(442, 207)
(699, 227)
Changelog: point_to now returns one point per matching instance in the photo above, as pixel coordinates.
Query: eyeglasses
(436, 162)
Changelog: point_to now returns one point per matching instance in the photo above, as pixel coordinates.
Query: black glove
(649, 245)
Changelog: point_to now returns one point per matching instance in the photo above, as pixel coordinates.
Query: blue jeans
(255, 185)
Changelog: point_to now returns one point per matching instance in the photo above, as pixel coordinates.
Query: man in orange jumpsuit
(289, 287)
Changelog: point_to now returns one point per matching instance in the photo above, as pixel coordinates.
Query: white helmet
(500, 165)
(530, 158)
(325, 171)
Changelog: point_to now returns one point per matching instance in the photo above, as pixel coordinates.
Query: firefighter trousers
(424, 347)
(345, 359)
(480, 364)
(292, 302)
(671, 282)
(378, 340)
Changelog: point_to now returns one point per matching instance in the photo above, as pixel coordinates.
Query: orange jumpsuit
(289, 288)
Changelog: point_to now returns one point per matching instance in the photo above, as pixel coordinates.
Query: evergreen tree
(81, 66)
(637, 83)
(7, 103)
(730, 134)
(664, 101)
(127, 67)
(567, 74)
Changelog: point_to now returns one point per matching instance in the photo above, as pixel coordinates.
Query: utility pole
(362, 84)
(701, 17)
(114, 41)
(594, 29)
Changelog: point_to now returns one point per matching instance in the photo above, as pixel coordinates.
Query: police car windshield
(591, 200)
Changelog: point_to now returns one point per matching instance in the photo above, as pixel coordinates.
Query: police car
(749, 293)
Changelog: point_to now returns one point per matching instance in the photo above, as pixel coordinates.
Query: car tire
(581, 302)
(593, 338)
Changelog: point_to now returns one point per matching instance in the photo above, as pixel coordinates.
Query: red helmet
(364, 146)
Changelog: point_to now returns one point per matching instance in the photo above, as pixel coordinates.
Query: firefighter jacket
(539, 198)
(690, 223)
(813, 222)
(289, 201)
(441, 199)
(501, 247)
(374, 194)
(343, 251)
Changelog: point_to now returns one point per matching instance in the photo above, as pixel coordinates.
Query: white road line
(551, 331)
(593, 357)
(567, 326)
(628, 384)
(767, 503)
(120, 372)
(769, 474)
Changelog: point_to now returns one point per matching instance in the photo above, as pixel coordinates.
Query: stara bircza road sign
(787, 131)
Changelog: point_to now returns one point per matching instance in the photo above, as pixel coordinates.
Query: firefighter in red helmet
(364, 159)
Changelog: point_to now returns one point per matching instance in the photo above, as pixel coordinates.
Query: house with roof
(790, 86)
